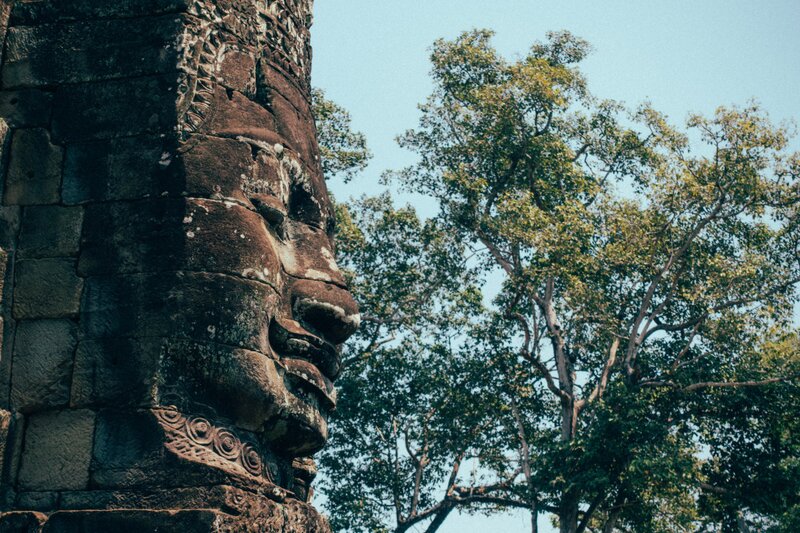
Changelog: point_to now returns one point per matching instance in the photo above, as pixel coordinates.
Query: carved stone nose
(325, 309)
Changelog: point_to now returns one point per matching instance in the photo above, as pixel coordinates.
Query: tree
(343, 151)
(646, 275)
(416, 403)
(636, 371)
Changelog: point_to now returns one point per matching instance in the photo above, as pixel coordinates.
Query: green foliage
(412, 392)
(638, 368)
(343, 151)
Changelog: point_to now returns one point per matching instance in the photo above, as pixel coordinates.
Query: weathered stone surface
(8, 454)
(251, 376)
(9, 226)
(237, 71)
(128, 451)
(172, 303)
(88, 51)
(118, 372)
(190, 234)
(38, 501)
(33, 13)
(42, 368)
(22, 522)
(112, 109)
(9, 329)
(326, 308)
(194, 521)
(214, 167)
(46, 288)
(232, 115)
(120, 169)
(309, 255)
(26, 108)
(57, 451)
(5, 12)
(34, 173)
(4, 141)
(50, 231)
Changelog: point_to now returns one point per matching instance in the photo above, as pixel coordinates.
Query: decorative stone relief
(197, 439)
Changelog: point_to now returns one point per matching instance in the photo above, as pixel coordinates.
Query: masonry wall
(121, 120)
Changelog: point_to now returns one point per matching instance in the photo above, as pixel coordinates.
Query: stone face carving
(172, 308)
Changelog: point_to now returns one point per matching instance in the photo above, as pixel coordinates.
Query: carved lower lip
(308, 376)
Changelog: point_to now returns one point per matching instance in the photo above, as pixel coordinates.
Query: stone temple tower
(171, 306)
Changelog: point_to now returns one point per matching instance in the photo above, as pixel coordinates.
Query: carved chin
(257, 394)
(300, 430)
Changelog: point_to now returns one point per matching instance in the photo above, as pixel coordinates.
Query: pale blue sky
(371, 56)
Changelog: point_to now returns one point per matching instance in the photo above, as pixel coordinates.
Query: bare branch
(716, 384)
(602, 383)
(537, 362)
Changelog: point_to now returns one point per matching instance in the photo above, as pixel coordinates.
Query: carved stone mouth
(311, 363)
(290, 340)
(307, 375)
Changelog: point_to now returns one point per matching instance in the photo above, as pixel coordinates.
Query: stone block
(22, 522)
(176, 305)
(237, 71)
(57, 451)
(38, 501)
(120, 169)
(9, 226)
(10, 440)
(127, 445)
(50, 231)
(190, 521)
(179, 234)
(115, 372)
(9, 326)
(5, 136)
(34, 169)
(117, 108)
(215, 167)
(26, 108)
(34, 13)
(46, 288)
(5, 13)
(4, 131)
(232, 114)
(130, 452)
(297, 128)
(42, 364)
(88, 51)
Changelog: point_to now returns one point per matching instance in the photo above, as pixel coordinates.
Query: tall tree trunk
(439, 519)
(570, 499)
(568, 512)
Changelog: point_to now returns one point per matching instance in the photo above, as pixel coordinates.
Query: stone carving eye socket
(304, 206)
(272, 211)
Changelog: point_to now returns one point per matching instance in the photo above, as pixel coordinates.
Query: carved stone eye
(272, 210)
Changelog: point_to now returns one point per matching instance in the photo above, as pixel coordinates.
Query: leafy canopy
(637, 367)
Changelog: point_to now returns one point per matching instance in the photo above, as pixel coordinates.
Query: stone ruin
(171, 306)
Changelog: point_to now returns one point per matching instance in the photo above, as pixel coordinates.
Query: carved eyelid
(269, 207)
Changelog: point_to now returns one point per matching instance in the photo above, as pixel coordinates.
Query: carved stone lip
(309, 376)
(290, 340)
